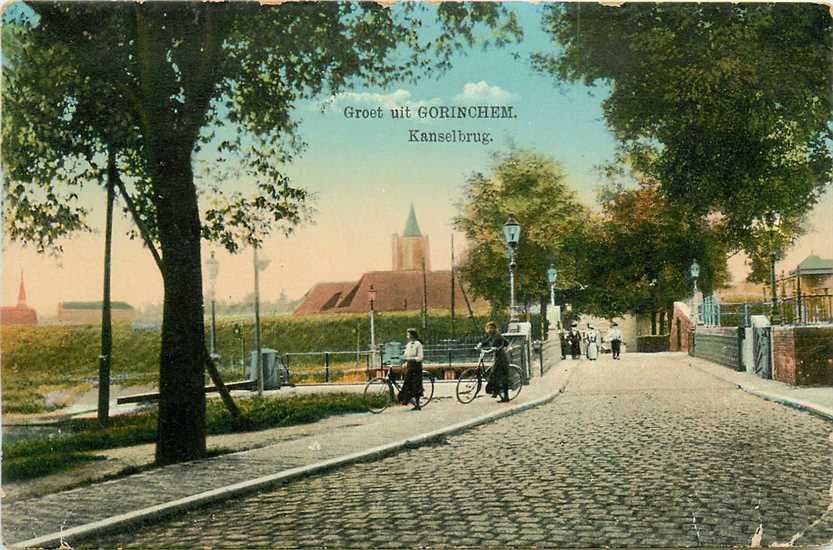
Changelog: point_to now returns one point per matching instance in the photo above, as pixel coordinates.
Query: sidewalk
(47, 520)
(818, 400)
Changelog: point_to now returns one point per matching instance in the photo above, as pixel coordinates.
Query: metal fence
(356, 366)
(805, 309)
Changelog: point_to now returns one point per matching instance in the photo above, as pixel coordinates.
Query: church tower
(411, 251)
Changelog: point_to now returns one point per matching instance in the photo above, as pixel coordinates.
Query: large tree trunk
(181, 431)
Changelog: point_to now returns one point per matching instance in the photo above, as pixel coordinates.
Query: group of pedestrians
(497, 385)
(590, 339)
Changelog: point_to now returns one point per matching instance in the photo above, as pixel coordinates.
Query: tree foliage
(726, 105)
(158, 82)
(533, 188)
(635, 256)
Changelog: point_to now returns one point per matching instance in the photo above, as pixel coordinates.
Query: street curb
(157, 512)
(798, 404)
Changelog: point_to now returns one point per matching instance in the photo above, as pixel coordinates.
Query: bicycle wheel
(468, 386)
(427, 389)
(378, 394)
(516, 381)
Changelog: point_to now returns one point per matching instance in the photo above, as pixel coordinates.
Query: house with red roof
(21, 314)
(409, 286)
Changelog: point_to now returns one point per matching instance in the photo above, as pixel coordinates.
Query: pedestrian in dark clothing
(412, 382)
(562, 339)
(498, 383)
(575, 341)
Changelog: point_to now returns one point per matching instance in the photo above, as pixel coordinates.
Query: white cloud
(389, 101)
(482, 93)
(395, 99)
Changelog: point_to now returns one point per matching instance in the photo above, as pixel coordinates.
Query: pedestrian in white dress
(592, 337)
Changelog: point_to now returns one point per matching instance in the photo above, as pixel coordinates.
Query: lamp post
(552, 275)
(695, 274)
(512, 234)
(259, 265)
(774, 221)
(371, 298)
(213, 268)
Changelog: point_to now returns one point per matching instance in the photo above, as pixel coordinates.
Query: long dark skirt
(575, 348)
(412, 383)
(499, 378)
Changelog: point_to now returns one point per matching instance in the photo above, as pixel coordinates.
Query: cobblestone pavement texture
(639, 452)
(299, 446)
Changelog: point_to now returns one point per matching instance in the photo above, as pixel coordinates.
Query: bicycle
(379, 392)
(473, 379)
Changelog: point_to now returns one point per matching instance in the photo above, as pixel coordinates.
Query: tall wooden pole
(105, 358)
(259, 359)
(424, 297)
(452, 286)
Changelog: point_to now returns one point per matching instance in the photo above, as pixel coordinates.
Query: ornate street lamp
(552, 274)
(212, 266)
(695, 274)
(512, 234)
(371, 298)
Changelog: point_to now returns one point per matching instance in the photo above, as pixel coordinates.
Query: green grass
(38, 457)
(36, 360)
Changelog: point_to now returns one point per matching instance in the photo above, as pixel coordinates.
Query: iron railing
(804, 309)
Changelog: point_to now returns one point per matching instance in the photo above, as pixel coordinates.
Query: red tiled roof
(395, 291)
(18, 315)
(322, 297)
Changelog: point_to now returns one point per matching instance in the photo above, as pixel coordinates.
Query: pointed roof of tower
(21, 293)
(411, 226)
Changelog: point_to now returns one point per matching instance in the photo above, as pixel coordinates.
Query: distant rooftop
(814, 265)
(95, 305)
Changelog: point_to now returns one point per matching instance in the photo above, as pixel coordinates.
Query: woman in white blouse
(412, 383)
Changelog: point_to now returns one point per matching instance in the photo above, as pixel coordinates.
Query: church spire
(21, 293)
(411, 226)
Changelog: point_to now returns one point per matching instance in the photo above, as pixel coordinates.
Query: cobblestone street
(647, 451)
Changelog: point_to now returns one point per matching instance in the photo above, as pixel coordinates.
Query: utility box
(275, 373)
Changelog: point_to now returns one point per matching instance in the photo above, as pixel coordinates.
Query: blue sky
(365, 175)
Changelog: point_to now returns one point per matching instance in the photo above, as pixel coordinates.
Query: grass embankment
(38, 360)
(79, 438)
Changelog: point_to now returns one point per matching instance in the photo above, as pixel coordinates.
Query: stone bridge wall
(718, 344)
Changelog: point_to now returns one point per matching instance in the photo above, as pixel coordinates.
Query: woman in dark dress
(575, 341)
(498, 383)
(412, 383)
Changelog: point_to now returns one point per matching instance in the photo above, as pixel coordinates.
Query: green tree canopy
(726, 105)
(635, 256)
(158, 82)
(533, 188)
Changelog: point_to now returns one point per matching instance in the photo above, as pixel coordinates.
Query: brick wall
(803, 355)
(783, 350)
(719, 345)
(685, 325)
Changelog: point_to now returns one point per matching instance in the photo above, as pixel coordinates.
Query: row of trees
(631, 257)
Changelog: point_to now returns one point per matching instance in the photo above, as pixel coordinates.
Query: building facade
(20, 314)
(89, 313)
(411, 285)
